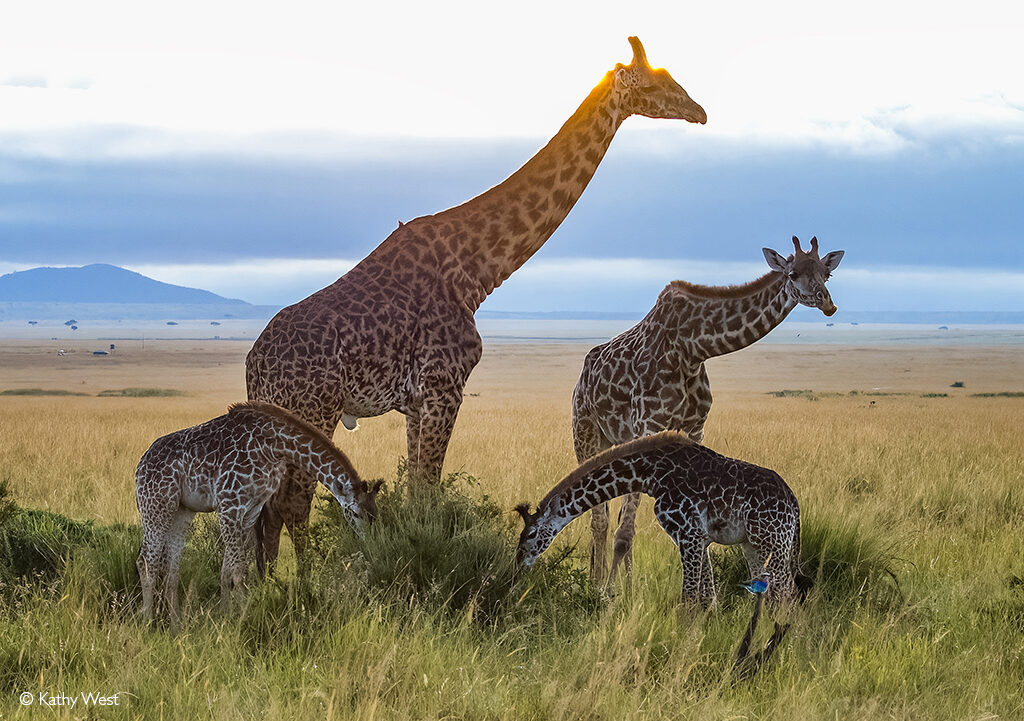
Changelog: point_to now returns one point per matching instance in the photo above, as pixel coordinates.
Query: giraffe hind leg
(236, 545)
(599, 544)
(173, 548)
(623, 553)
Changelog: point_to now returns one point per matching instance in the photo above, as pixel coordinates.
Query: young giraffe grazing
(397, 331)
(652, 377)
(700, 497)
(231, 464)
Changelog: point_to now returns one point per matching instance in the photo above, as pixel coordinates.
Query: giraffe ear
(639, 56)
(831, 260)
(374, 488)
(775, 261)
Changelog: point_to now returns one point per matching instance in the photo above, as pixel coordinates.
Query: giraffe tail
(261, 552)
(803, 583)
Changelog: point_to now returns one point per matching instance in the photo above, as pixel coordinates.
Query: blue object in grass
(756, 585)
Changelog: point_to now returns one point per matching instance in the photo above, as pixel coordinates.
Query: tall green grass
(426, 616)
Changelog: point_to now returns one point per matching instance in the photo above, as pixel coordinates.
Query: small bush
(37, 544)
(956, 384)
(40, 392)
(792, 393)
(439, 549)
(141, 393)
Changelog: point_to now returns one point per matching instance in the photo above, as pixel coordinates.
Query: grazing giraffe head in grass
(700, 497)
(232, 465)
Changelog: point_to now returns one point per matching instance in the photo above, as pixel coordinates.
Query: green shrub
(439, 549)
(141, 393)
(36, 543)
(40, 392)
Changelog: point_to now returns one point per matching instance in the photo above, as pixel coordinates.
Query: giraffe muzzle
(696, 114)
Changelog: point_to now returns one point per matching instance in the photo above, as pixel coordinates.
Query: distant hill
(100, 283)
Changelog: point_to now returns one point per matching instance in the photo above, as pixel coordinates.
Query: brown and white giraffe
(700, 497)
(232, 465)
(652, 377)
(397, 331)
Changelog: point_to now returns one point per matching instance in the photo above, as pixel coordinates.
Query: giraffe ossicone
(397, 331)
(652, 377)
(700, 497)
(231, 464)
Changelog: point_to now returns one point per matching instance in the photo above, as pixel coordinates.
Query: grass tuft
(141, 393)
(443, 551)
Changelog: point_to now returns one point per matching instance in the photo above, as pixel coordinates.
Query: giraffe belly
(727, 531)
(198, 497)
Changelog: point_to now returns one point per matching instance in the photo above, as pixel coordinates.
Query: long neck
(713, 325)
(493, 234)
(577, 494)
(319, 462)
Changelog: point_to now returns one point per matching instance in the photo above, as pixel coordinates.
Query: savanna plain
(906, 460)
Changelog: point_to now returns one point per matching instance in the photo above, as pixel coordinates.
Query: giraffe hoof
(351, 423)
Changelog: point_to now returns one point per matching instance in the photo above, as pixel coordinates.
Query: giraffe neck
(722, 320)
(320, 462)
(580, 492)
(492, 235)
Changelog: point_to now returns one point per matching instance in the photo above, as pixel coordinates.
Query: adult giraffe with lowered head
(397, 331)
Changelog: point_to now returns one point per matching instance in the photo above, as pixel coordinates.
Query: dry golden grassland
(935, 481)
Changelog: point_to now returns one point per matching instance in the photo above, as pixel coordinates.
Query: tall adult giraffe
(397, 331)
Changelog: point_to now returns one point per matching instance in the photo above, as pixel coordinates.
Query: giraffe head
(652, 91)
(806, 274)
(358, 500)
(538, 533)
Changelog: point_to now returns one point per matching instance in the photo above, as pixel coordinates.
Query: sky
(259, 151)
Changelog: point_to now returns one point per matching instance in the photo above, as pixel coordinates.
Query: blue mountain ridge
(99, 283)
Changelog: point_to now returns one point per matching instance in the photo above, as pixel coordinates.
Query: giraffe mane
(637, 445)
(720, 291)
(315, 434)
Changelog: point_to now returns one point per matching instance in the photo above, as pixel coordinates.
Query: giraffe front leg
(696, 572)
(588, 442)
(296, 517)
(599, 543)
(429, 429)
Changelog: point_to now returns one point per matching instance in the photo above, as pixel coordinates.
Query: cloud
(262, 281)
(623, 284)
(632, 284)
(24, 81)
